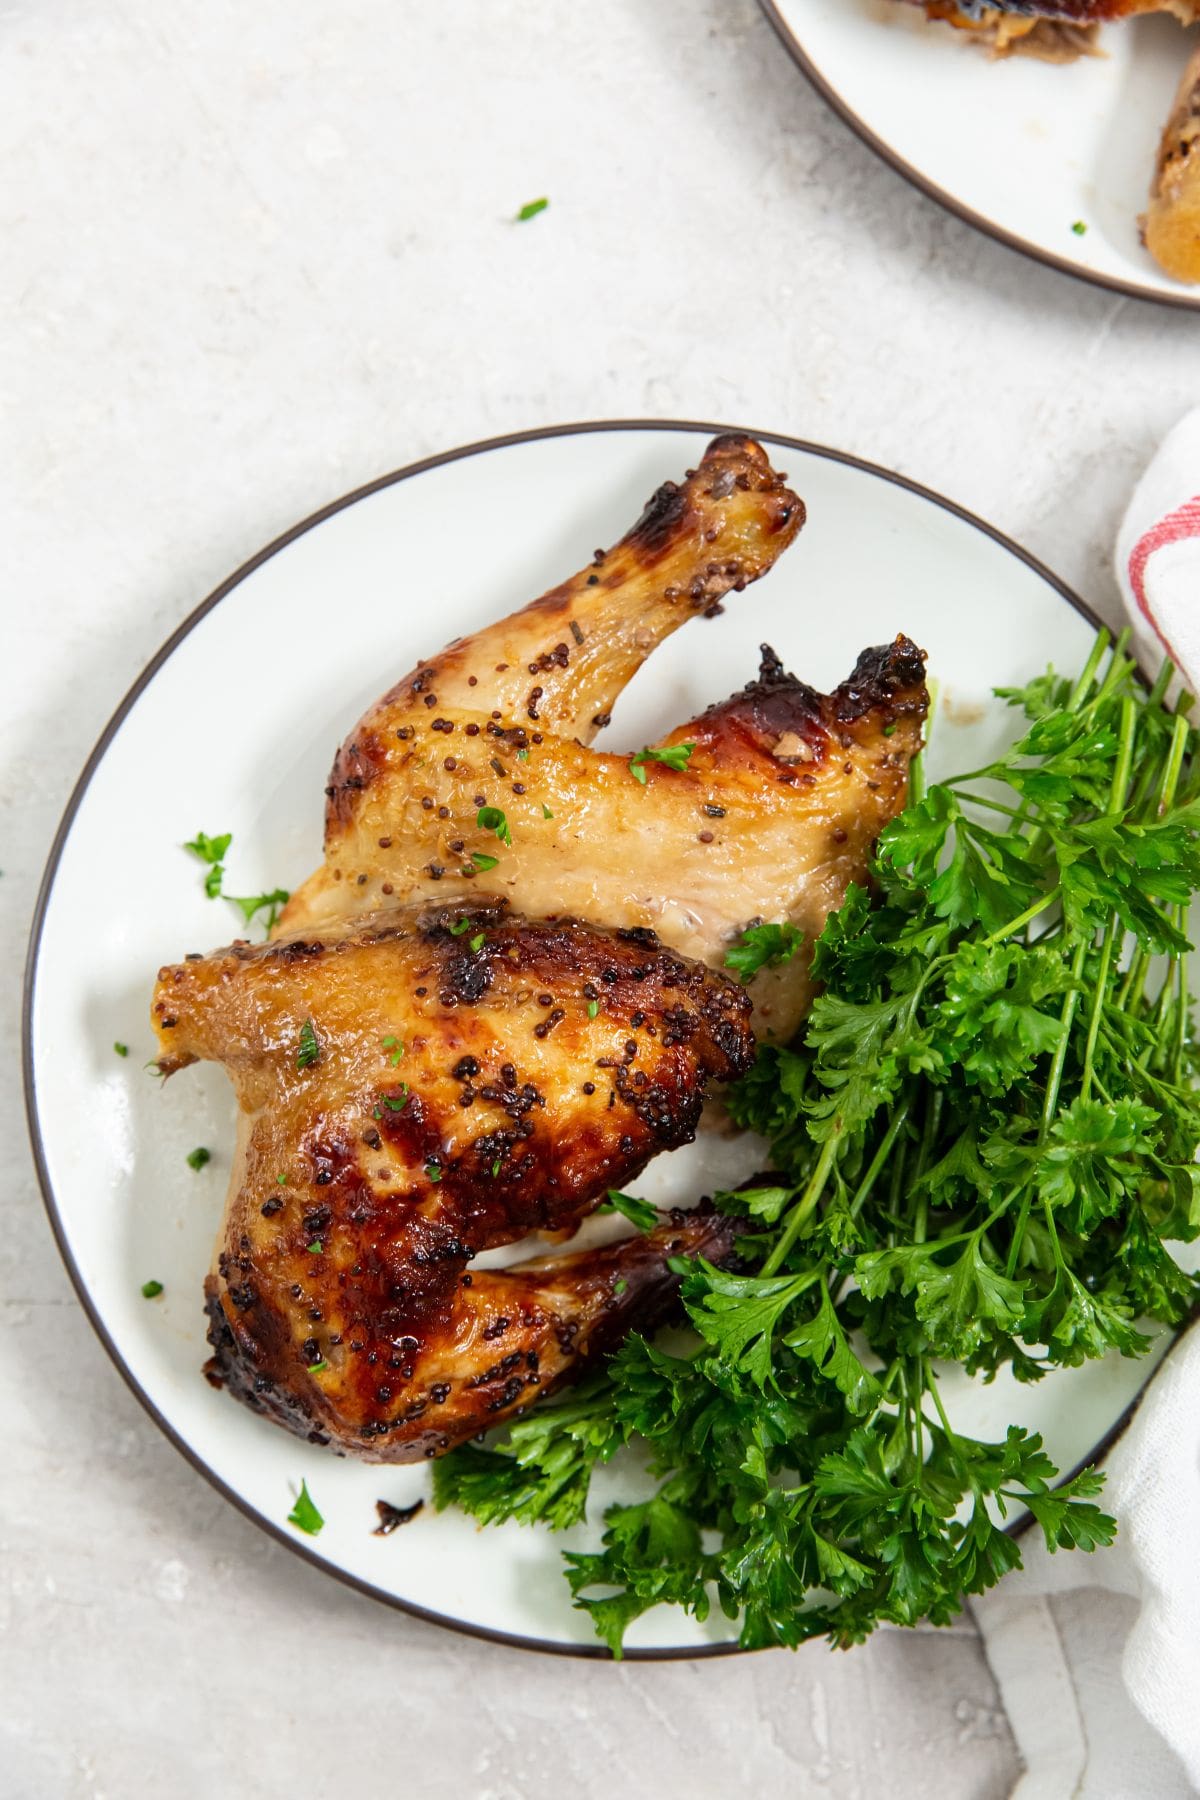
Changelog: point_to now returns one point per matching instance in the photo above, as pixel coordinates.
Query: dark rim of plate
(1116, 284)
(277, 1531)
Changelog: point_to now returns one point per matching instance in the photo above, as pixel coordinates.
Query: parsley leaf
(761, 947)
(304, 1515)
(490, 818)
(638, 1212)
(151, 1290)
(252, 904)
(531, 209)
(211, 850)
(672, 756)
(197, 1158)
(309, 1049)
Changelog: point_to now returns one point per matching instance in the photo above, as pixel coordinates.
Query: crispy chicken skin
(1172, 223)
(415, 1092)
(774, 815)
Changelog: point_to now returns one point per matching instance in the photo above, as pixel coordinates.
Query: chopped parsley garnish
(1079, 228)
(316, 1248)
(433, 1171)
(121, 1049)
(593, 1008)
(151, 1290)
(211, 850)
(638, 1212)
(304, 1515)
(396, 1047)
(761, 947)
(522, 756)
(531, 209)
(456, 930)
(481, 863)
(490, 818)
(251, 904)
(396, 1105)
(673, 756)
(619, 1286)
(282, 1180)
(315, 1368)
(546, 813)
(197, 1158)
(495, 1168)
(985, 1141)
(478, 942)
(309, 1050)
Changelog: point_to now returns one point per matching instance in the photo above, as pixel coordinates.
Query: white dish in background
(1022, 149)
(232, 728)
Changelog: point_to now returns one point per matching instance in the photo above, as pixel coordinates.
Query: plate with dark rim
(1054, 160)
(231, 728)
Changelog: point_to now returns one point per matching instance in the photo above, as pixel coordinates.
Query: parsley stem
(1023, 919)
(1179, 737)
(1162, 682)
(931, 1388)
(803, 1208)
(1181, 1033)
(1101, 990)
(1130, 990)
(1087, 674)
(1119, 669)
(929, 1131)
(1066, 1019)
(1018, 1236)
(1124, 763)
(899, 1118)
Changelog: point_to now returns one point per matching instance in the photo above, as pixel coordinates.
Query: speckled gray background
(253, 256)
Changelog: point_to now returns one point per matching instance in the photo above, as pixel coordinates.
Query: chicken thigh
(412, 1094)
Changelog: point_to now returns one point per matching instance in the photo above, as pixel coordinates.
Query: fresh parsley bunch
(983, 1142)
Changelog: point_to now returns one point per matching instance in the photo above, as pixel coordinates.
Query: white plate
(232, 729)
(1022, 149)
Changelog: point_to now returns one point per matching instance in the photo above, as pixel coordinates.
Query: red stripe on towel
(1184, 522)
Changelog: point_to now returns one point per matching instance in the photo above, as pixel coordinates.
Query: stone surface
(253, 257)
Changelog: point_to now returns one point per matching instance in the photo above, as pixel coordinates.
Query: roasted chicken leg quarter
(412, 1094)
(504, 991)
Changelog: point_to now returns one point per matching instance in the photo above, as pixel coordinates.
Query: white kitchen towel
(1153, 1487)
(1158, 555)
(1154, 1468)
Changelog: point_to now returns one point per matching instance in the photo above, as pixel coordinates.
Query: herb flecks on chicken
(984, 1143)
(543, 1064)
(475, 774)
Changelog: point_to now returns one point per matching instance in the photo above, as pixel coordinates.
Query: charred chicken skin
(1054, 30)
(503, 992)
(981, 13)
(412, 1094)
(773, 813)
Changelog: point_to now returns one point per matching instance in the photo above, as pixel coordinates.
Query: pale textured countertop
(254, 256)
